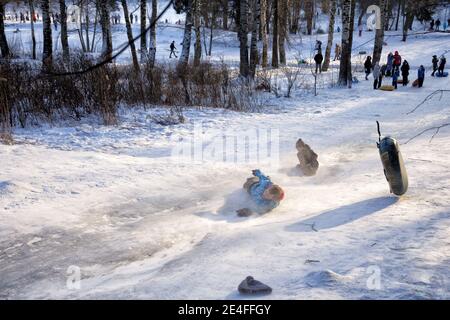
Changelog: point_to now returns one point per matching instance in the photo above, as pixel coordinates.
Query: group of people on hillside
(394, 67)
(436, 25)
(438, 65)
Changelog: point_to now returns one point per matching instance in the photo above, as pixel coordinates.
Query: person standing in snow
(405, 72)
(172, 50)
(368, 66)
(435, 62)
(397, 60)
(318, 58)
(337, 52)
(377, 76)
(131, 18)
(432, 24)
(438, 24)
(360, 29)
(266, 196)
(442, 63)
(421, 76)
(395, 76)
(389, 64)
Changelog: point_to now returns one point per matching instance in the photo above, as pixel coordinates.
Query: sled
(387, 88)
(443, 75)
(393, 165)
(415, 83)
(400, 81)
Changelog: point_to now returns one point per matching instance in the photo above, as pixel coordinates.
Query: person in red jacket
(397, 60)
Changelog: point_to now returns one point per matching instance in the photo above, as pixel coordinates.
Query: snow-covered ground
(141, 222)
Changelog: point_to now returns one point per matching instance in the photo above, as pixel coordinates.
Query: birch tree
(198, 43)
(345, 62)
(152, 52)
(275, 46)
(254, 55)
(332, 17)
(184, 57)
(105, 24)
(3, 41)
(143, 13)
(64, 37)
(265, 42)
(243, 39)
(379, 34)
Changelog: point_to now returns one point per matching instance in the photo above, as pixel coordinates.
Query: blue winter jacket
(256, 193)
(421, 73)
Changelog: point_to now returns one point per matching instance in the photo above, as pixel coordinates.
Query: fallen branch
(429, 97)
(429, 129)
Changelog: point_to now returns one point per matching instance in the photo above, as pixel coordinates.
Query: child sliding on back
(265, 195)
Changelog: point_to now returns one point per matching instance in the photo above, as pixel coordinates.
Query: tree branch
(429, 97)
(437, 129)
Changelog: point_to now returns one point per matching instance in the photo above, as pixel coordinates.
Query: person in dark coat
(172, 50)
(432, 24)
(405, 72)
(442, 63)
(368, 66)
(438, 24)
(435, 62)
(318, 58)
(421, 76)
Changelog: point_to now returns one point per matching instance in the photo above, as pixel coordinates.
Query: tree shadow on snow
(342, 215)
(236, 200)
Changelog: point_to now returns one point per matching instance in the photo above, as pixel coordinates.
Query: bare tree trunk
(213, 24)
(409, 18)
(326, 63)
(265, 42)
(309, 12)
(143, 27)
(3, 41)
(295, 16)
(243, 39)
(152, 53)
(254, 55)
(47, 33)
(88, 41)
(198, 42)
(275, 46)
(225, 14)
(105, 23)
(33, 37)
(397, 18)
(379, 34)
(283, 12)
(94, 34)
(346, 50)
(130, 36)
(64, 38)
(349, 56)
(184, 57)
